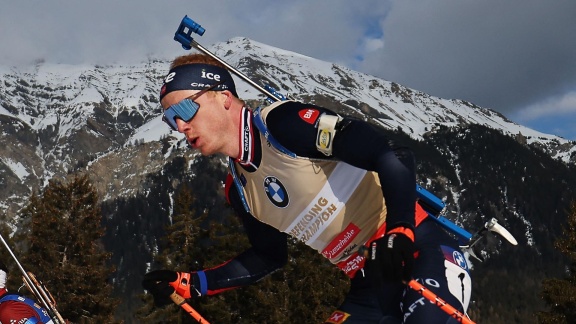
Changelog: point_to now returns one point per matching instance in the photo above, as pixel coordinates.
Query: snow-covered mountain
(394, 106)
(60, 99)
(105, 120)
(73, 114)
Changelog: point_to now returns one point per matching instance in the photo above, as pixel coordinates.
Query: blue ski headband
(197, 76)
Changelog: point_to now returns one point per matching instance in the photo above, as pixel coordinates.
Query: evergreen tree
(307, 290)
(180, 251)
(560, 294)
(64, 250)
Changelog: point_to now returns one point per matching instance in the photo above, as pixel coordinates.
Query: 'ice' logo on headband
(210, 76)
(203, 75)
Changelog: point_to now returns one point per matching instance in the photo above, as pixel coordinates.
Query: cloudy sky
(515, 56)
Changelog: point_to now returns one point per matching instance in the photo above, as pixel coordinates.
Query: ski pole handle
(180, 301)
(449, 309)
(184, 32)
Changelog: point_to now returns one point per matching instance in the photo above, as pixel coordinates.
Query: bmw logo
(276, 191)
(460, 260)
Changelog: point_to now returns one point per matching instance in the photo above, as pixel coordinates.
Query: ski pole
(184, 36)
(45, 293)
(180, 301)
(449, 309)
(40, 295)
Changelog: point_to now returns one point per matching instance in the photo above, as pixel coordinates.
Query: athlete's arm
(357, 143)
(268, 253)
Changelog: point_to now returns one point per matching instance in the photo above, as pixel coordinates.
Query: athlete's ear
(227, 98)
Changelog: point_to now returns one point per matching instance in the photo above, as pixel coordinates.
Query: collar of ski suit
(246, 138)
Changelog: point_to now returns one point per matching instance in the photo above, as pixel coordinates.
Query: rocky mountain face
(56, 120)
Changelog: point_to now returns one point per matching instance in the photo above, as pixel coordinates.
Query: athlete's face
(185, 109)
(205, 131)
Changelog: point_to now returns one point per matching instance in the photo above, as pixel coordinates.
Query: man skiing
(18, 309)
(334, 182)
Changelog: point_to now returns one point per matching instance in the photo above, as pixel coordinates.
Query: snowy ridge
(412, 111)
(64, 97)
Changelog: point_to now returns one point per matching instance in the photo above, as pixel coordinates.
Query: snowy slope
(412, 111)
(63, 98)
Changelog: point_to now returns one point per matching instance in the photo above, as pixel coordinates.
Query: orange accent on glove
(403, 230)
(182, 284)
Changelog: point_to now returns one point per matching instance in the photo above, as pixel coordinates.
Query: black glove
(391, 257)
(163, 283)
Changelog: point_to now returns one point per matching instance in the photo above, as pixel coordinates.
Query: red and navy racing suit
(21, 310)
(364, 146)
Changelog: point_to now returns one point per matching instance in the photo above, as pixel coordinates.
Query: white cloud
(373, 44)
(504, 55)
(555, 106)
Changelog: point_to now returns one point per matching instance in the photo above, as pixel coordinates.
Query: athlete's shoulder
(295, 126)
(295, 112)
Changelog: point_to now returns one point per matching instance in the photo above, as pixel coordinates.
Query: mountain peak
(413, 111)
